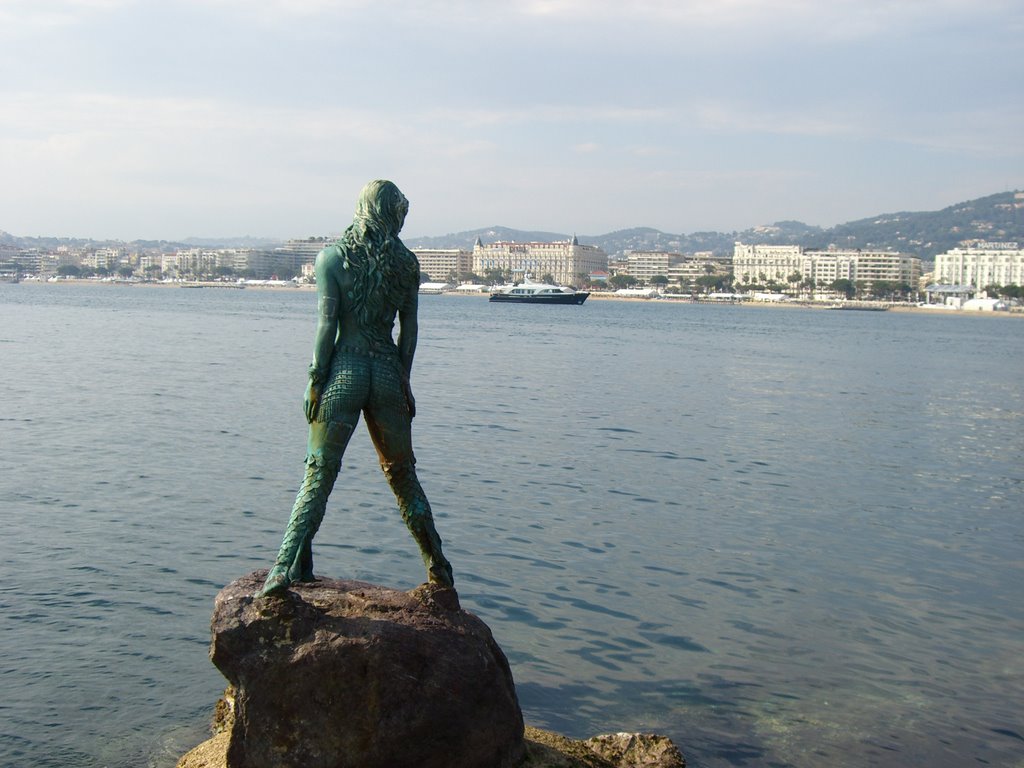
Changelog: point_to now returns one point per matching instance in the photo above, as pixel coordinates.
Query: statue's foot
(276, 583)
(441, 574)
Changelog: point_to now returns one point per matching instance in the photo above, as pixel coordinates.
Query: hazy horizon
(472, 230)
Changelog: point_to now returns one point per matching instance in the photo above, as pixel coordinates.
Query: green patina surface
(364, 282)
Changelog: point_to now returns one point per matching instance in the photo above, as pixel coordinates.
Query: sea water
(784, 537)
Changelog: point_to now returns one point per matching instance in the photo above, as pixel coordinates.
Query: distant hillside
(997, 217)
(156, 245)
(50, 243)
(487, 235)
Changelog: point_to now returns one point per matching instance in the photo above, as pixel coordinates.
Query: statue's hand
(409, 399)
(312, 402)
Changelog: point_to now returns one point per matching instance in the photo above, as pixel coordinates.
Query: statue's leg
(327, 442)
(415, 509)
(390, 427)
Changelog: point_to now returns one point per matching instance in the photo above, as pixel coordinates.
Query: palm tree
(810, 284)
(794, 279)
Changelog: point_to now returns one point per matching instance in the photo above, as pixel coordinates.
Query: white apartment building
(264, 265)
(193, 261)
(443, 264)
(981, 265)
(831, 267)
(872, 266)
(8, 256)
(689, 268)
(567, 261)
(436, 263)
(759, 264)
(302, 251)
(643, 265)
(103, 258)
(49, 263)
(24, 261)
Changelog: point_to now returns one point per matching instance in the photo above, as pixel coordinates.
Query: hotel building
(981, 265)
(676, 267)
(568, 262)
(443, 265)
(758, 264)
(643, 265)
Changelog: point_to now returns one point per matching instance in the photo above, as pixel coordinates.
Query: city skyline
(185, 119)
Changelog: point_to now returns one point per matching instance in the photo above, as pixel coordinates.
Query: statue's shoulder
(330, 264)
(331, 258)
(333, 252)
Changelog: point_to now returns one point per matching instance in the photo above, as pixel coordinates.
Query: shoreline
(594, 296)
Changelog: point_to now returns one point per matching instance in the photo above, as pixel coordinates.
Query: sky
(152, 119)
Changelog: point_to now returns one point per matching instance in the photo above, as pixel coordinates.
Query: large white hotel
(981, 265)
(758, 264)
(568, 262)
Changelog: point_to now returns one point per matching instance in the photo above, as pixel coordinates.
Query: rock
(550, 750)
(637, 750)
(344, 674)
(212, 753)
(543, 750)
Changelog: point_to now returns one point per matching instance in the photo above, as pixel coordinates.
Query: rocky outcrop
(344, 674)
(637, 750)
(543, 750)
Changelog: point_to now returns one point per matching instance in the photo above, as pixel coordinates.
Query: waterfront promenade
(263, 285)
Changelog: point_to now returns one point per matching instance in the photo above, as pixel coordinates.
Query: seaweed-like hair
(383, 269)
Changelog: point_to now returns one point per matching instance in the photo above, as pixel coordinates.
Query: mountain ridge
(997, 217)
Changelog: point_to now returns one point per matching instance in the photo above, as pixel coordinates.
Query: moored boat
(859, 307)
(528, 292)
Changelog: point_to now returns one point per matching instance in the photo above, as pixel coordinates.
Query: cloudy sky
(178, 118)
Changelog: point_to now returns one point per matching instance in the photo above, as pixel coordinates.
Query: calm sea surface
(782, 537)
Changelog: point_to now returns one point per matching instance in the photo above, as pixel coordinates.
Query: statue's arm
(408, 332)
(328, 295)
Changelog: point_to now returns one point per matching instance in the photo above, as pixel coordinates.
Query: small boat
(434, 289)
(859, 307)
(528, 292)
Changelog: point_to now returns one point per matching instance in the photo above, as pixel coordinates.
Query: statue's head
(382, 207)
